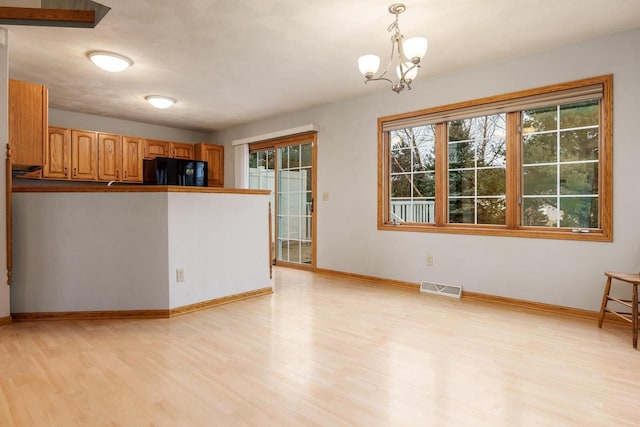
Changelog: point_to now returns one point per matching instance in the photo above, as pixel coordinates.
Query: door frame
(284, 142)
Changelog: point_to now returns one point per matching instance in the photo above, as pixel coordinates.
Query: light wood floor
(323, 351)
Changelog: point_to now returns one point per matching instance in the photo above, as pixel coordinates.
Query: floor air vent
(454, 291)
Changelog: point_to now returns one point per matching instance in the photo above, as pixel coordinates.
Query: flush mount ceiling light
(160, 101)
(109, 61)
(406, 53)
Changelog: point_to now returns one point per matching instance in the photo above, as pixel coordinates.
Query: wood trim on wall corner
(178, 311)
(8, 219)
(5, 320)
(475, 296)
(135, 314)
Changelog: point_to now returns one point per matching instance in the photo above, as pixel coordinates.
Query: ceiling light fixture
(407, 53)
(160, 101)
(109, 61)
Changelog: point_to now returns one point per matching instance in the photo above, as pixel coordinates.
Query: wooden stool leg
(634, 315)
(605, 299)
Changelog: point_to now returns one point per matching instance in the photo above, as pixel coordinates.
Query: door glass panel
(295, 205)
(283, 158)
(306, 155)
(288, 173)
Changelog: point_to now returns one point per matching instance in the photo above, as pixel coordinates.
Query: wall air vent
(454, 291)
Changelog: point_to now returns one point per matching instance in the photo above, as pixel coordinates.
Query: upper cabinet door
(182, 151)
(56, 154)
(84, 155)
(110, 154)
(132, 159)
(154, 148)
(215, 159)
(28, 122)
(214, 156)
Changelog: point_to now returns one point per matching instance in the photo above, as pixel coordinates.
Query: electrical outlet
(180, 275)
(429, 260)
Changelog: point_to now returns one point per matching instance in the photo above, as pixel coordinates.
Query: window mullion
(514, 171)
(558, 160)
(442, 174)
(384, 184)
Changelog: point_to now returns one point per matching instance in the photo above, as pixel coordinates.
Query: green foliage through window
(560, 162)
(477, 170)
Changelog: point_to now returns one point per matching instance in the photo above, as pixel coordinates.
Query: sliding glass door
(287, 168)
(294, 207)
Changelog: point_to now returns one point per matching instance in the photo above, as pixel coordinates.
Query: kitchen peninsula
(136, 251)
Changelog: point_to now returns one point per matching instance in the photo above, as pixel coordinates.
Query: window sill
(594, 235)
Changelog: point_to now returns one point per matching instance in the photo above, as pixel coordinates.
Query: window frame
(514, 167)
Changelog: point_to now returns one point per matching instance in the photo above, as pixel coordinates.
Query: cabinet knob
(66, 171)
(117, 174)
(75, 172)
(125, 174)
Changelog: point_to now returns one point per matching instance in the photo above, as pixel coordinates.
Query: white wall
(89, 251)
(4, 137)
(222, 243)
(552, 271)
(120, 251)
(83, 121)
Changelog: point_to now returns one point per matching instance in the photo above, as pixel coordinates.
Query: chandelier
(406, 53)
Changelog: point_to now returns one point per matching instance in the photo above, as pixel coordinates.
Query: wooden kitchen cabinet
(90, 156)
(214, 156)
(28, 123)
(154, 148)
(181, 150)
(110, 155)
(132, 154)
(84, 155)
(70, 154)
(176, 150)
(57, 153)
(120, 158)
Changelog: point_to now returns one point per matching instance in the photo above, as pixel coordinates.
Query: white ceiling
(234, 61)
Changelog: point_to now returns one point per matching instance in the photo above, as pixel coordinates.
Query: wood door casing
(307, 160)
(110, 154)
(57, 153)
(84, 155)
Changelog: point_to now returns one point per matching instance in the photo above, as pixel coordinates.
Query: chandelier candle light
(408, 54)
